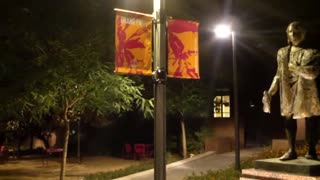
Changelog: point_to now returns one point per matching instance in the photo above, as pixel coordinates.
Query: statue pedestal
(300, 169)
(254, 174)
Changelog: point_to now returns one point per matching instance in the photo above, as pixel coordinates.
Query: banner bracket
(159, 76)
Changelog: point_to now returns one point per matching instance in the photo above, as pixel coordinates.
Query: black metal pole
(235, 106)
(159, 76)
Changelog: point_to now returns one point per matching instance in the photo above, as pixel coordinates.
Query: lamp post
(224, 31)
(159, 78)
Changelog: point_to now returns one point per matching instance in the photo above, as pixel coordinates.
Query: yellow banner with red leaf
(133, 41)
(183, 49)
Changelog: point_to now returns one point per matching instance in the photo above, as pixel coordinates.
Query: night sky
(260, 31)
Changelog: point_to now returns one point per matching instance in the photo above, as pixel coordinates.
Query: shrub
(196, 142)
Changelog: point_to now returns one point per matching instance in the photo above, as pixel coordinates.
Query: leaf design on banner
(133, 46)
(183, 58)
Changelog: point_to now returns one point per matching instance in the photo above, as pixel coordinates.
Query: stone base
(254, 174)
(299, 166)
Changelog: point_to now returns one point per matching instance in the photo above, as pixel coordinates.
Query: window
(221, 106)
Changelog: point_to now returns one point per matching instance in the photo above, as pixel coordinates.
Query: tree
(71, 81)
(56, 66)
(80, 83)
(184, 98)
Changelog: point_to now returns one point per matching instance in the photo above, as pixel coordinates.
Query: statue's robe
(296, 80)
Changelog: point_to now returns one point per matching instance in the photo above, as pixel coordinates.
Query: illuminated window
(221, 106)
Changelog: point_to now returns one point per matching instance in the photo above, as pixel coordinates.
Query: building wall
(222, 139)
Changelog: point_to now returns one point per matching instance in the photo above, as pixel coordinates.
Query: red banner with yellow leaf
(183, 53)
(133, 41)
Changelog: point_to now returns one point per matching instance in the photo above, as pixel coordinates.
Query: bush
(196, 142)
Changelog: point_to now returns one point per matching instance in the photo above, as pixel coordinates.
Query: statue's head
(295, 33)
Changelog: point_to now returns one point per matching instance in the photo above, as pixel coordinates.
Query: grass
(121, 172)
(144, 165)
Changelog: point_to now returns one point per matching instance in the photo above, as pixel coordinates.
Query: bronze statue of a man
(296, 80)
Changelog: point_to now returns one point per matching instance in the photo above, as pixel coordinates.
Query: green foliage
(187, 100)
(227, 174)
(196, 141)
(186, 97)
(146, 106)
(75, 79)
(223, 174)
(55, 64)
(60, 65)
(56, 67)
(122, 172)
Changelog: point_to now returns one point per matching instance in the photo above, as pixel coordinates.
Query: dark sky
(260, 28)
(260, 24)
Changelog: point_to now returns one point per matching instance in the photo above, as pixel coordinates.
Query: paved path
(196, 165)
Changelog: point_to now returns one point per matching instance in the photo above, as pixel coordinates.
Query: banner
(183, 53)
(133, 41)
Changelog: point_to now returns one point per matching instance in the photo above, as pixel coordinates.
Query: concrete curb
(171, 165)
(196, 157)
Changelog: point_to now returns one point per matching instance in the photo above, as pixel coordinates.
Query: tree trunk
(78, 144)
(183, 138)
(65, 149)
(31, 142)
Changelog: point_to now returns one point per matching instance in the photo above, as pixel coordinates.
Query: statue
(296, 81)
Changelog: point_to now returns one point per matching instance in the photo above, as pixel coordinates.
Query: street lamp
(224, 31)
(159, 78)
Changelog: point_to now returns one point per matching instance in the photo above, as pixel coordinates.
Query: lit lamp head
(223, 31)
(156, 5)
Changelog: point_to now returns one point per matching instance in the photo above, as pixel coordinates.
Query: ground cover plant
(230, 173)
(142, 166)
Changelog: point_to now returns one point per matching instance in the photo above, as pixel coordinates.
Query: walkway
(195, 165)
(33, 169)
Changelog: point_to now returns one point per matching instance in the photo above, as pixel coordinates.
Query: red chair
(127, 151)
(3, 153)
(140, 151)
(149, 150)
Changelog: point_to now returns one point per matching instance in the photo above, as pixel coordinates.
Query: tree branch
(75, 101)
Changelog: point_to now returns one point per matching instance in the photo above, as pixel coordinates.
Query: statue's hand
(266, 100)
(266, 97)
